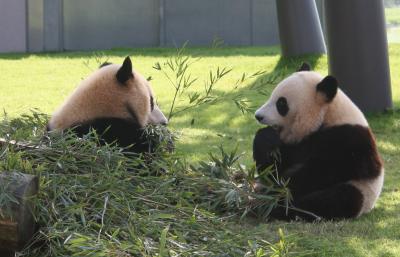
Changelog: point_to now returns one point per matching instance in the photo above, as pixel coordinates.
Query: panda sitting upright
(327, 150)
(114, 101)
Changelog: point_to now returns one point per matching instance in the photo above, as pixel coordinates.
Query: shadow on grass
(223, 123)
(220, 123)
(375, 233)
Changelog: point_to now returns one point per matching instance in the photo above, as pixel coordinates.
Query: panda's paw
(268, 136)
(265, 143)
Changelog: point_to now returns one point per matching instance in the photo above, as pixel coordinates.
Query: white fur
(157, 117)
(308, 109)
(101, 96)
(307, 112)
(370, 189)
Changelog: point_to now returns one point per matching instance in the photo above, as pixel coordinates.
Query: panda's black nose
(259, 117)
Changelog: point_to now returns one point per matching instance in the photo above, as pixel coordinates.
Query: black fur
(125, 133)
(328, 86)
(282, 106)
(265, 142)
(341, 201)
(319, 166)
(125, 72)
(304, 67)
(151, 103)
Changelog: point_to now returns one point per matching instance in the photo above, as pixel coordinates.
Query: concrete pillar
(357, 51)
(53, 25)
(299, 28)
(320, 8)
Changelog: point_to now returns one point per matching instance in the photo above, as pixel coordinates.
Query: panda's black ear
(304, 67)
(328, 87)
(125, 72)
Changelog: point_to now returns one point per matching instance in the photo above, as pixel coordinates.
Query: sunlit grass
(392, 15)
(393, 22)
(44, 80)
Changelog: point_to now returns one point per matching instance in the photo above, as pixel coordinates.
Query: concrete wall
(265, 23)
(102, 24)
(54, 25)
(35, 26)
(236, 22)
(13, 26)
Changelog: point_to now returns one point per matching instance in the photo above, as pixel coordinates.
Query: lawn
(392, 15)
(393, 22)
(44, 80)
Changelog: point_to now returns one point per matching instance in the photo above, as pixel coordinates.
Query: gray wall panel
(265, 23)
(53, 25)
(35, 25)
(102, 24)
(13, 29)
(193, 20)
(237, 22)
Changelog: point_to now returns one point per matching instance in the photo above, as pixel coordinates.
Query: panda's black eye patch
(282, 106)
(151, 103)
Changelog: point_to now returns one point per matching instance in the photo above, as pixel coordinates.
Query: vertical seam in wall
(41, 46)
(44, 18)
(61, 26)
(27, 26)
(220, 6)
(161, 28)
(165, 22)
(251, 21)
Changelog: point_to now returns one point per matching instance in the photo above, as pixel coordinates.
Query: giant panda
(116, 102)
(328, 153)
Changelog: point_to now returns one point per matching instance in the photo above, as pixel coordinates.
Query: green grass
(393, 34)
(393, 20)
(44, 80)
(392, 15)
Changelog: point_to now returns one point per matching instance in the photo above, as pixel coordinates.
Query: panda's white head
(305, 101)
(113, 91)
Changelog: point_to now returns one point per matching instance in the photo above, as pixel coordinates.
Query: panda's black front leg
(265, 142)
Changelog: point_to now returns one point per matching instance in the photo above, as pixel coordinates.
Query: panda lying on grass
(117, 103)
(327, 150)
